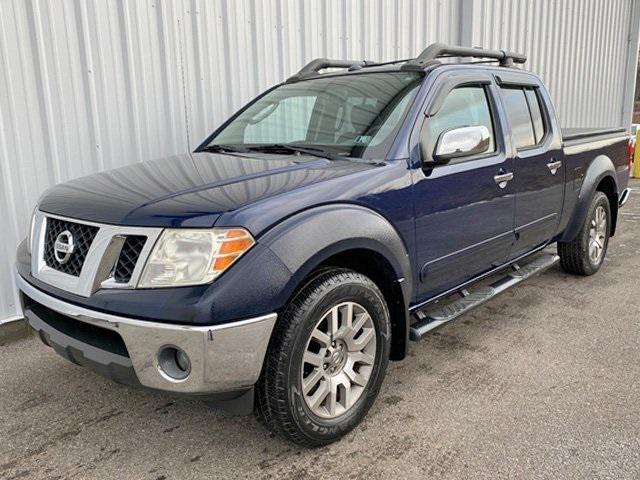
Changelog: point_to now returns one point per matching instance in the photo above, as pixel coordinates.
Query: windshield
(351, 116)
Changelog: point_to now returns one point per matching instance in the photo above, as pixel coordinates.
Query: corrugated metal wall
(580, 48)
(91, 85)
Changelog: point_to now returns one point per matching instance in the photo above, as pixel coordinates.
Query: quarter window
(463, 107)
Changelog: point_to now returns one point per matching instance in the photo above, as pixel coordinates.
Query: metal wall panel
(580, 48)
(88, 85)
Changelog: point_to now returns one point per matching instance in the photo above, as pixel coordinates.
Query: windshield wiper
(224, 148)
(286, 147)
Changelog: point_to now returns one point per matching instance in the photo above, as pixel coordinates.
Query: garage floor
(542, 382)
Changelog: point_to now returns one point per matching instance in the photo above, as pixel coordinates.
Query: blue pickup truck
(310, 238)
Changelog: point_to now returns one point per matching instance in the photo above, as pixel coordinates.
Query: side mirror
(461, 142)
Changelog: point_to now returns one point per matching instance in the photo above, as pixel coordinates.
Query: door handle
(554, 166)
(503, 179)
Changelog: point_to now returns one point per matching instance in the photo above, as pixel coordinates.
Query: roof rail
(434, 51)
(314, 66)
(428, 57)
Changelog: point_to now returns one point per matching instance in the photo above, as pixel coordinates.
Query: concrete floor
(541, 382)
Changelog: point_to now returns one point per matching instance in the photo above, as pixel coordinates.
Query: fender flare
(600, 168)
(305, 240)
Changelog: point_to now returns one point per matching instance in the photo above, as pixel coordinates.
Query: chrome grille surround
(99, 265)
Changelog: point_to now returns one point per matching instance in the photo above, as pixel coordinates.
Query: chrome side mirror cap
(461, 142)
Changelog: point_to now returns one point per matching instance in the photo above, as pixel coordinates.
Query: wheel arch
(600, 176)
(351, 237)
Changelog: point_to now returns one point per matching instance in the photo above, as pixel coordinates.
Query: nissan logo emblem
(63, 247)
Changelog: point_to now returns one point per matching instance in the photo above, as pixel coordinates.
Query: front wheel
(584, 255)
(326, 360)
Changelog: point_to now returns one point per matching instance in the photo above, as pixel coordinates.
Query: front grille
(83, 236)
(128, 258)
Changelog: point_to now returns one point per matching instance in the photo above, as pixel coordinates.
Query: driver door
(464, 215)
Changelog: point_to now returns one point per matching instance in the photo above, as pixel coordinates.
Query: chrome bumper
(223, 357)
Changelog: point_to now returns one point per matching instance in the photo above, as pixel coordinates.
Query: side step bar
(430, 318)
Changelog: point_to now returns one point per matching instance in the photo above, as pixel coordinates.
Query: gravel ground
(541, 382)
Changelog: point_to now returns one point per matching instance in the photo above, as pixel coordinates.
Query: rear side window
(463, 107)
(515, 103)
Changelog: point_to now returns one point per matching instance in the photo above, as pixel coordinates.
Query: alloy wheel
(597, 234)
(338, 360)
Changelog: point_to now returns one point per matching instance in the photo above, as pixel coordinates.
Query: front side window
(351, 116)
(463, 107)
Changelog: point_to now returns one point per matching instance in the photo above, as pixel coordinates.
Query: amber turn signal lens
(235, 242)
(235, 246)
(222, 263)
(236, 233)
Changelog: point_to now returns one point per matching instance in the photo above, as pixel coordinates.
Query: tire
(577, 256)
(282, 403)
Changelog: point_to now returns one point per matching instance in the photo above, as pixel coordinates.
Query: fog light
(174, 363)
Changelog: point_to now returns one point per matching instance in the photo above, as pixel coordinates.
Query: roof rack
(312, 68)
(434, 51)
(428, 57)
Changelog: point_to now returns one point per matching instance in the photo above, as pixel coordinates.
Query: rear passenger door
(538, 174)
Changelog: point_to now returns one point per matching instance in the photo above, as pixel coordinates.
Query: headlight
(31, 226)
(193, 257)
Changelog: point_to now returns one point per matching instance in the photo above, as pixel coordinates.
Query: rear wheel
(326, 360)
(585, 254)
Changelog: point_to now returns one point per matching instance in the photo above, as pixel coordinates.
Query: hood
(190, 190)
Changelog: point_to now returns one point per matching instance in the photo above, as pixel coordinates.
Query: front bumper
(223, 358)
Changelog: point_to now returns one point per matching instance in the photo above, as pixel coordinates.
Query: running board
(430, 318)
